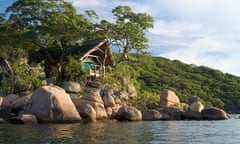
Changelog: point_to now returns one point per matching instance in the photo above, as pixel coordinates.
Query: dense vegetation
(37, 32)
(153, 74)
(40, 31)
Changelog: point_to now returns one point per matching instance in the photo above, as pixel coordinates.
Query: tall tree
(49, 25)
(128, 31)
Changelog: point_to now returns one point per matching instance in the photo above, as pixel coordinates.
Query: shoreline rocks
(51, 104)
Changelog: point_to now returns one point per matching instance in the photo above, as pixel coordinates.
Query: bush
(25, 78)
(73, 70)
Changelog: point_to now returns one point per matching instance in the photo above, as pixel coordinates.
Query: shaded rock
(51, 81)
(173, 113)
(150, 115)
(164, 114)
(94, 99)
(191, 115)
(94, 84)
(112, 111)
(20, 104)
(193, 99)
(128, 113)
(11, 98)
(196, 106)
(89, 114)
(168, 98)
(5, 110)
(52, 104)
(108, 98)
(214, 113)
(3, 101)
(71, 87)
(23, 119)
(109, 111)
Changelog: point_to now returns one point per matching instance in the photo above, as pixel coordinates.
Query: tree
(49, 25)
(128, 31)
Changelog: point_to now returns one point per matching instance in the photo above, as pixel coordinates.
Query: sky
(200, 32)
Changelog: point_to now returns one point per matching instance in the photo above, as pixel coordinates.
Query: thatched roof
(98, 49)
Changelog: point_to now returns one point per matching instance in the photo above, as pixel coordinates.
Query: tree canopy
(48, 26)
(128, 30)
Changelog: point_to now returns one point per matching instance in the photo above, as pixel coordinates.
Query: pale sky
(200, 32)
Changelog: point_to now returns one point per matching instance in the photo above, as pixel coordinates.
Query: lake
(154, 132)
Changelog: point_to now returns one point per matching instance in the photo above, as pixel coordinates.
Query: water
(156, 132)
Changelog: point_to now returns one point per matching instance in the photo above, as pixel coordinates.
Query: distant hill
(153, 74)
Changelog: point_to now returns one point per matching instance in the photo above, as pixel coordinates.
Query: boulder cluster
(54, 104)
(170, 109)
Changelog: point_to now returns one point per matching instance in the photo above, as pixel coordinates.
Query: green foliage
(25, 78)
(73, 70)
(128, 31)
(153, 74)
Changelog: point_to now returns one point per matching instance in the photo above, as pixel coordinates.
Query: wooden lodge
(95, 55)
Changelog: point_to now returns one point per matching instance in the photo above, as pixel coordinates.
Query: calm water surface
(157, 132)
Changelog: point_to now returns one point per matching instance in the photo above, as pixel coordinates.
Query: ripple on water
(167, 132)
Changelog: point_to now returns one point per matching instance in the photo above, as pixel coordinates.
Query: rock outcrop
(214, 113)
(128, 113)
(108, 98)
(5, 110)
(94, 99)
(11, 98)
(130, 88)
(168, 98)
(151, 115)
(20, 104)
(71, 87)
(52, 104)
(23, 119)
(196, 106)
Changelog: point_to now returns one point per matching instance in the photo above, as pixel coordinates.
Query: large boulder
(52, 104)
(128, 113)
(214, 113)
(107, 97)
(168, 98)
(71, 87)
(196, 106)
(94, 99)
(20, 104)
(150, 115)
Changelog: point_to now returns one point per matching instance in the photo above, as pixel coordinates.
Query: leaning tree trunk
(6, 67)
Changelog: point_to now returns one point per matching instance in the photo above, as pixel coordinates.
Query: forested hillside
(153, 74)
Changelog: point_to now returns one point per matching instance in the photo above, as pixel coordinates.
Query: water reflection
(169, 132)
